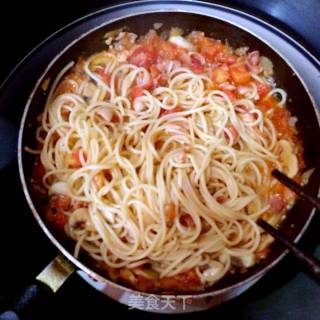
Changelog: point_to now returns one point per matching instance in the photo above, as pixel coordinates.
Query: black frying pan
(300, 104)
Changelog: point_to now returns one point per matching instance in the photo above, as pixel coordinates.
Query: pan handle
(48, 281)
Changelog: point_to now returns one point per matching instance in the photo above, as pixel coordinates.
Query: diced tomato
(231, 94)
(152, 40)
(205, 226)
(65, 86)
(170, 213)
(234, 133)
(60, 202)
(280, 119)
(65, 113)
(143, 57)
(141, 85)
(219, 75)
(267, 103)
(134, 92)
(239, 73)
(164, 112)
(38, 172)
(211, 51)
(221, 199)
(158, 78)
(186, 220)
(149, 85)
(146, 285)
(300, 155)
(103, 75)
(154, 71)
(210, 48)
(226, 58)
(76, 162)
(168, 50)
(263, 89)
(282, 192)
(262, 253)
(184, 281)
(197, 63)
(276, 202)
(57, 220)
(55, 213)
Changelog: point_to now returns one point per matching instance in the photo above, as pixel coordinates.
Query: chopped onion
(112, 33)
(267, 66)
(242, 51)
(58, 188)
(288, 158)
(293, 121)
(89, 90)
(175, 31)
(181, 42)
(306, 176)
(157, 25)
(248, 260)
(213, 273)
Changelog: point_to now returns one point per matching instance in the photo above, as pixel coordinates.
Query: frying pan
(300, 104)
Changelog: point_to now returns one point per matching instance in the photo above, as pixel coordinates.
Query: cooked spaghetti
(156, 155)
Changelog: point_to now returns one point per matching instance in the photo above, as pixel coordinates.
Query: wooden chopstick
(308, 261)
(291, 184)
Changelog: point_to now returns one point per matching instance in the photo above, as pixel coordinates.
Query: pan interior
(299, 103)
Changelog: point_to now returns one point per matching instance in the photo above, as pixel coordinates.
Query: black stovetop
(284, 293)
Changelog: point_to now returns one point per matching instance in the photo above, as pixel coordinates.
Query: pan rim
(37, 216)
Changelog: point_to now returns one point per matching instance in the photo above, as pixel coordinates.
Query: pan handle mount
(48, 281)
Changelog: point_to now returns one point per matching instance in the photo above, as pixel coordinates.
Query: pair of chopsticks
(308, 261)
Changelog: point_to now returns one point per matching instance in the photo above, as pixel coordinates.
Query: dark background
(285, 293)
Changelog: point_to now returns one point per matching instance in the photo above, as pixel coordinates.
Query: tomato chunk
(209, 48)
(186, 220)
(164, 112)
(197, 63)
(276, 202)
(280, 118)
(134, 92)
(55, 213)
(231, 94)
(234, 133)
(76, 162)
(103, 75)
(263, 89)
(168, 50)
(184, 281)
(219, 75)
(262, 253)
(239, 73)
(170, 213)
(143, 57)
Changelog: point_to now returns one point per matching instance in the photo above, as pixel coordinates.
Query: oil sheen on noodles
(137, 167)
